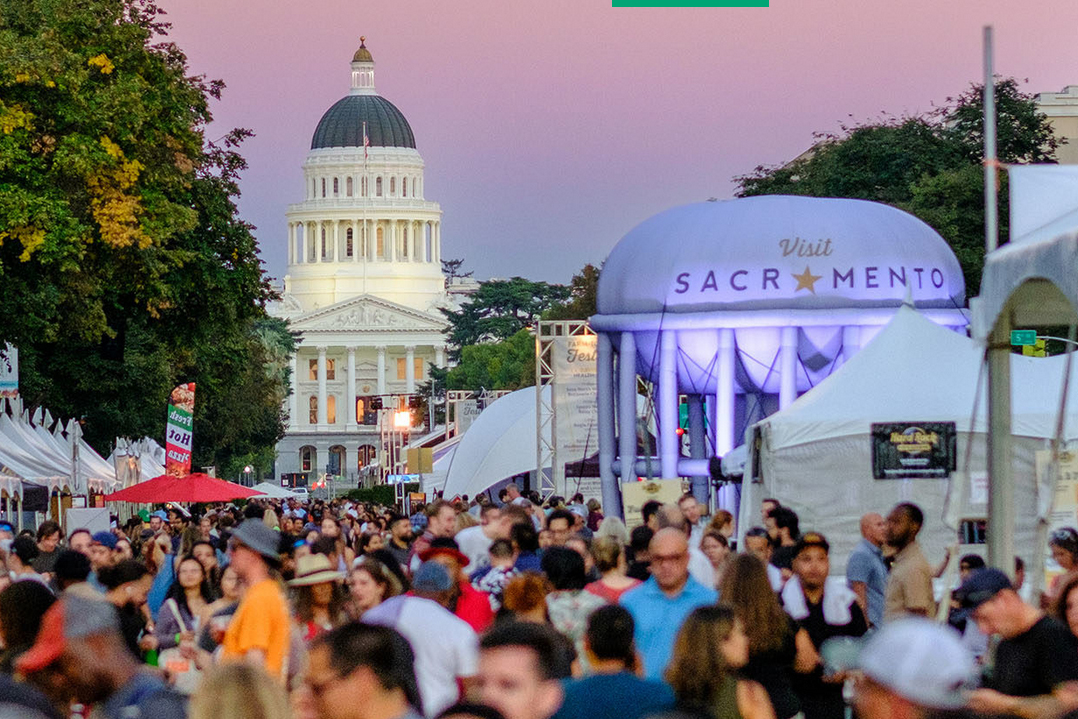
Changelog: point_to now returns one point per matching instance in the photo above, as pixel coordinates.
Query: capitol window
(306, 458)
(313, 403)
(336, 186)
(378, 187)
(348, 186)
(348, 240)
(331, 409)
(404, 187)
(313, 365)
(323, 187)
(392, 186)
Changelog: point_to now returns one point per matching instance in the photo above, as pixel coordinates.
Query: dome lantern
(363, 70)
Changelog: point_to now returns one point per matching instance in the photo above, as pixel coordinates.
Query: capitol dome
(342, 125)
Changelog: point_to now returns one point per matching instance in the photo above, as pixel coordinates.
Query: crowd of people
(516, 609)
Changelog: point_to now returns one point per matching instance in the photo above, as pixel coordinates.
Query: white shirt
(774, 575)
(445, 647)
(475, 545)
(700, 568)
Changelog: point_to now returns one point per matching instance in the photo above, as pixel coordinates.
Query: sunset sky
(550, 129)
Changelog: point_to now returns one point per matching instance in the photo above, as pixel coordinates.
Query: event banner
(576, 413)
(466, 412)
(9, 372)
(1065, 498)
(634, 495)
(181, 410)
(910, 450)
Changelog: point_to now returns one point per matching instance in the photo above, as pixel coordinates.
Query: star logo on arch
(806, 280)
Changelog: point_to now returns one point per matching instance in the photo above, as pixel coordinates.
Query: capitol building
(364, 283)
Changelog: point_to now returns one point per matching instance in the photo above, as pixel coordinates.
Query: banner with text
(576, 413)
(9, 372)
(181, 410)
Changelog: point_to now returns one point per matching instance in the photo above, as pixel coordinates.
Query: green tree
(124, 267)
(509, 364)
(582, 300)
(500, 309)
(929, 166)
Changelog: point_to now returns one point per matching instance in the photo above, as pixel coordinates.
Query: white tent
(499, 444)
(815, 456)
(273, 490)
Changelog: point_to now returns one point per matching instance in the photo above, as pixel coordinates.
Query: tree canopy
(124, 266)
(928, 165)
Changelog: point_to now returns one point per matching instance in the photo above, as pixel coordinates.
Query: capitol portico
(364, 283)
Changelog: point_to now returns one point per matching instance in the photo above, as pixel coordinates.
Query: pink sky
(550, 129)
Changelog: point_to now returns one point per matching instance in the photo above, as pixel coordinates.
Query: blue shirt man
(865, 570)
(660, 605)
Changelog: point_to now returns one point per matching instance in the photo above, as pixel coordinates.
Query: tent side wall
(830, 485)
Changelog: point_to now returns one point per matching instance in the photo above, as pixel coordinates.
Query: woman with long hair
(204, 552)
(369, 584)
(610, 560)
(568, 605)
(1063, 544)
(1065, 607)
(318, 598)
(369, 542)
(777, 646)
(709, 650)
(185, 603)
(345, 554)
(716, 548)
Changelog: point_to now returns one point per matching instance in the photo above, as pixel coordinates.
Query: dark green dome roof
(342, 125)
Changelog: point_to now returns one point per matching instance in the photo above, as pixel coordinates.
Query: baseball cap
(72, 617)
(105, 539)
(919, 660)
(160, 514)
(981, 586)
(811, 539)
(432, 577)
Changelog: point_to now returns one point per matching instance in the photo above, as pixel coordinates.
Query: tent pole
(627, 406)
(605, 380)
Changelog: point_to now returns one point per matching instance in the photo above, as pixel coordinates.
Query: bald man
(865, 570)
(660, 605)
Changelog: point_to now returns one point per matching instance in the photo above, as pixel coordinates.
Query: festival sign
(181, 410)
(909, 450)
(634, 495)
(466, 412)
(9, 372)
(574, 363)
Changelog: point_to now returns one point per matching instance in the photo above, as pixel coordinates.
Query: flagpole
(365, 192)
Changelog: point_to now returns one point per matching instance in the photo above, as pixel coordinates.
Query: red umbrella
(197, 487)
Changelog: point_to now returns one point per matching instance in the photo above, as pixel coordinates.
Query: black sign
(904, 450)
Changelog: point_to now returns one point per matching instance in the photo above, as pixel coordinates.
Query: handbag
(182, 672)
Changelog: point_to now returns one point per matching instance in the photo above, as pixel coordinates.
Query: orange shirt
(261, 622)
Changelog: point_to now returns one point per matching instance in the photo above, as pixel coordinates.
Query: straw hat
(314, 569)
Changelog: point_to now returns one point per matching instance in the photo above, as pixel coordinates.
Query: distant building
(1061, 108)
(364, 283)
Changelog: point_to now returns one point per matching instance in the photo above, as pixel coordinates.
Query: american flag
(366, 142)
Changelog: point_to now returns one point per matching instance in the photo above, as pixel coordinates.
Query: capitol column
(392, 240)
(381, 370)
(357, 243)
(291, 244)
(323, 413)
(350, 390)
(439, 356)
(303, 245)
(421, 241)
(293, 395)
(336, 256)
(409, 369)
(319, 243)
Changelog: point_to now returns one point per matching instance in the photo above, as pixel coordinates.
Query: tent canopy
(499, 444)
(273, 490)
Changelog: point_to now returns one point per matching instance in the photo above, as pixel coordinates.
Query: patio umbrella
(197, 487)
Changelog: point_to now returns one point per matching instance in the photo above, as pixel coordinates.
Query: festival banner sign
(913, 450)
(181, 410)
(574, 363)
(9, 372)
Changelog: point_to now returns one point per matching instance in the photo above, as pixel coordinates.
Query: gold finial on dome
(362, 54)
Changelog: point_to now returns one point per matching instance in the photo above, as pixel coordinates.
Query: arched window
(380, 246)
(404, 243)
(336, 186)
(378, 187)
(313, 403)
(367, 453)
(306, 459)
(336, 460)
(348, 186)
(323, 187)
(392, 186)
(404, 186)
(331, 409)
(348, 242)
(323, 243)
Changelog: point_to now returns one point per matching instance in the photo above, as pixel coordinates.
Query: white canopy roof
(916, 370)
(499, 444)
(1043, 250)
(273, 490)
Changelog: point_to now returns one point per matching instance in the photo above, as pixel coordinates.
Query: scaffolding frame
(546, 420)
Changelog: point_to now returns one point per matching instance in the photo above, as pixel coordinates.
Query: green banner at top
(690, 3)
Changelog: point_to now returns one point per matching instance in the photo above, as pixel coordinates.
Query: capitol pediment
(367, 313)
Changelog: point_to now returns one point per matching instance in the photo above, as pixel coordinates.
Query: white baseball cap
(921, 661)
